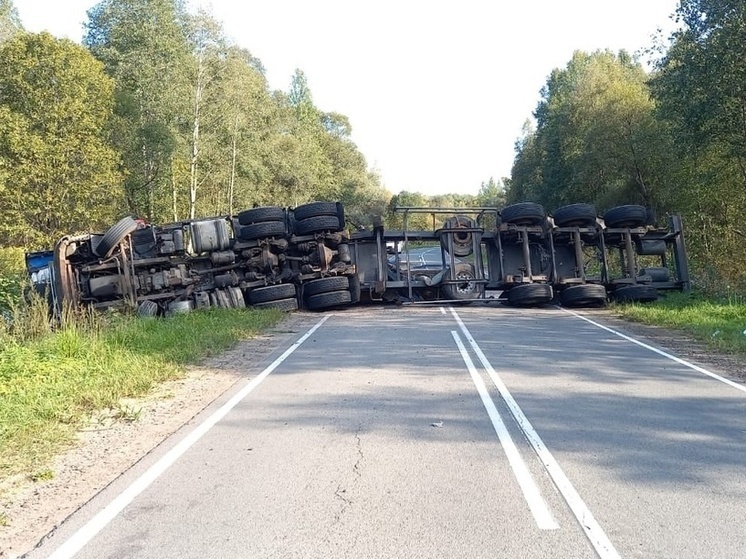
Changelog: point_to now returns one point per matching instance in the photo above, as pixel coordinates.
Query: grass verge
(49, 385)
(719, 322)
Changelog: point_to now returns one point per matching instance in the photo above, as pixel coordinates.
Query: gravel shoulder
(110, 443)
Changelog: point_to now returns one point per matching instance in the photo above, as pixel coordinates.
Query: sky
(436, 92)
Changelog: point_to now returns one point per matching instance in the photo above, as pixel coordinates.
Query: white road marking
(678, 360)
(80, 538)
(592, 529)
(533, 497)
(443, 311)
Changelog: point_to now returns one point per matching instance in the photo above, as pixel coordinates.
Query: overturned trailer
(524, 257)
(303, 257)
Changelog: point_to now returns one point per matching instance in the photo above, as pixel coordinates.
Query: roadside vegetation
(718, 321)
(53, 379)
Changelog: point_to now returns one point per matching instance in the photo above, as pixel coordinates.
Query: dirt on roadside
(111, 442)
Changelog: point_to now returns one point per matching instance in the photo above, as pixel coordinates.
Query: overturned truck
(304, 257)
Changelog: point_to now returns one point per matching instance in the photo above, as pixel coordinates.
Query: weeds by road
(719, 322)
(50, 382)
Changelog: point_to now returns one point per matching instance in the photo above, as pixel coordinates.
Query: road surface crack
(341, 491)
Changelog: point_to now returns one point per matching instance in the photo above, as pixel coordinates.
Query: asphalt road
(432, 432)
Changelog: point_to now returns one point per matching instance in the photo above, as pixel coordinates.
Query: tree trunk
(234, 154)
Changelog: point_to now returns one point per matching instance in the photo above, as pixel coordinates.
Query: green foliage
(597, 139)
(184, 126)
(12, 278)
(48, 386)
(143, 46)
(699, 90)
(10, 23)
(55, 105)
(719, 322)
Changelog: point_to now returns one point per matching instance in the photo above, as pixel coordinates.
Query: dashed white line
(443, 311)
(80, 538)
(678, 360)
(536, 503)
(592, 529)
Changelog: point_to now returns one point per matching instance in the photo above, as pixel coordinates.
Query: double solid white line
(593, 531)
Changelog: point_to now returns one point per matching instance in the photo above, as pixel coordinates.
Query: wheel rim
(466, 283)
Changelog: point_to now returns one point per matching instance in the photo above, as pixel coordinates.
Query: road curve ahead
(462, 432)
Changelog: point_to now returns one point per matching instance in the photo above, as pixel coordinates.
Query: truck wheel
(575, 215)
(462, 240)
(281, 304)
(258, 215)
(271, 293)
(524, 213)
(626, 216)
(324, 285)
(114, 236)
(467, 288)
(315, 209)
(262, 230)
(636, 294)
(530, 295)
(317, 225)
(586, 295)
(328, 300)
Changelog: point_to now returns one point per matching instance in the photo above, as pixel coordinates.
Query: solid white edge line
(536, 503)
(592, 529)
(84, 534)
(678, 360)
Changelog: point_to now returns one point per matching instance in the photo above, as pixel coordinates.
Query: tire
(636, 294)
(317, 224)
(328, 300)
(467, 289)
(236, 296)
(626, 216)
(147, 309)
(114, 236)
(271, 293)
(462, 241)
(325, 285)
(586, 295)
(290, 304)
(530, 295)
(524, 213)
(260, 215)
(315, 209)
(262, 230)
(575, 215)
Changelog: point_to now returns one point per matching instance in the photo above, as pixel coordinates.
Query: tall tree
(701, 83)
(56, 104)
(209, 48)
(700, 88)
(143, 45)
(10, 23)
(248, 120)
(597, 138)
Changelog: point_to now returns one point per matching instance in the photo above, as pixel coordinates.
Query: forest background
(159, 114)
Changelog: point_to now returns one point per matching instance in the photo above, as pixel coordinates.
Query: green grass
(50, 383)
(719, 322)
